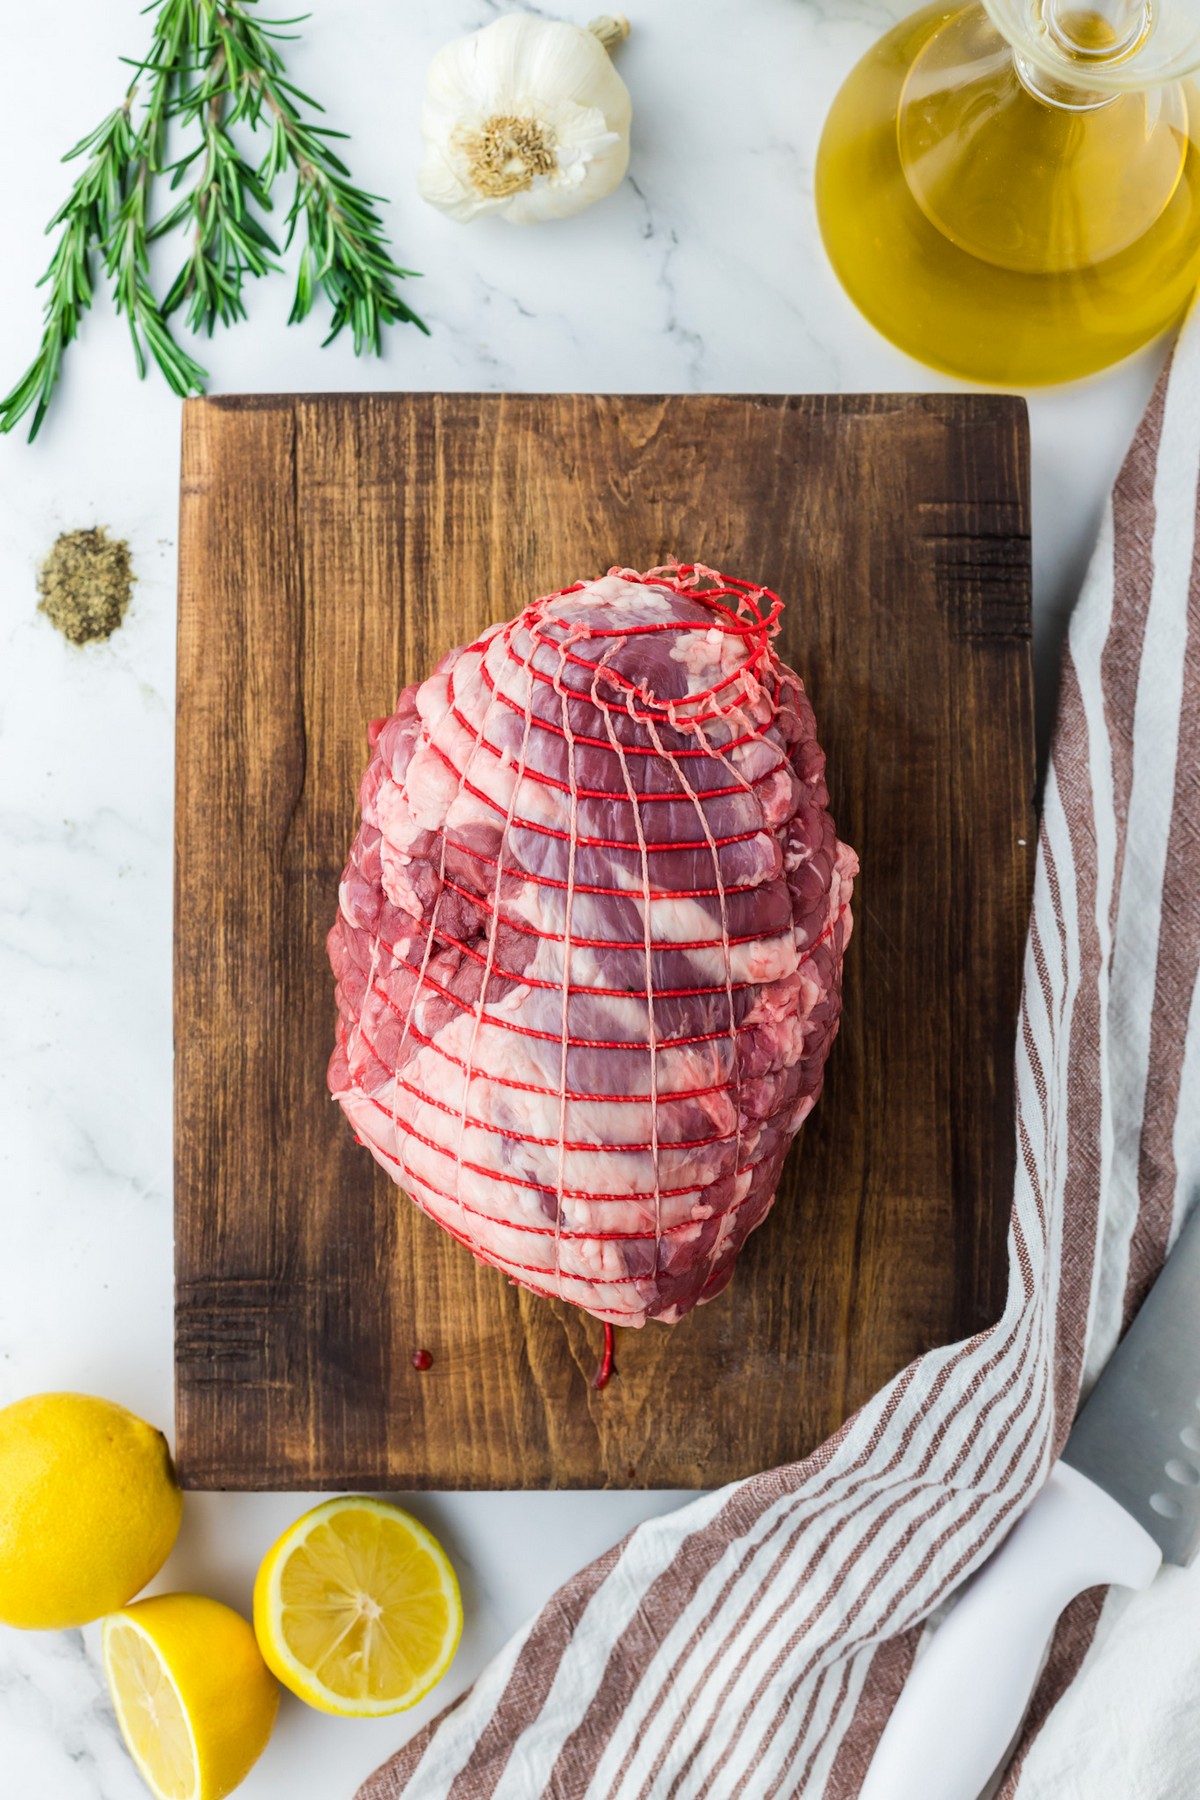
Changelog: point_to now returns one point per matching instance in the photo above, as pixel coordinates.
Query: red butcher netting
(590, 935)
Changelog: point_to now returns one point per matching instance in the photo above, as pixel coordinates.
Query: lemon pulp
(357, 1608)
(195, 1701)
(151, 1713)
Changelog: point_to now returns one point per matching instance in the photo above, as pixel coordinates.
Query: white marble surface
(703, 272)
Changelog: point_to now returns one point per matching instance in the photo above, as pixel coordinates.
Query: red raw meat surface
(589, 942)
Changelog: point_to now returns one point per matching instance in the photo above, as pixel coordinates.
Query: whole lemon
(89, 1509)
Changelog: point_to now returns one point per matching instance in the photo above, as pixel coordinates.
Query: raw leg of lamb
(589, 943)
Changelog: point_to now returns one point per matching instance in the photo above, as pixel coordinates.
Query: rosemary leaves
(213, 67)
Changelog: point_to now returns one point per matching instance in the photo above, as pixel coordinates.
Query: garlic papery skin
(526, 119)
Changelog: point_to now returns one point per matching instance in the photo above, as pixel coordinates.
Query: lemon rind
(124, 1620)
(301, 1679)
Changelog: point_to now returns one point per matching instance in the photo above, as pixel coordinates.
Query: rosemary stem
(211, 67)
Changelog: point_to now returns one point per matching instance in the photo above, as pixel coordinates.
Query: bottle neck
(1097, 31)
(1086, 35)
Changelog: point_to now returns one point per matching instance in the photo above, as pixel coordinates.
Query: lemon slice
(357, 1609)
(193, 1697)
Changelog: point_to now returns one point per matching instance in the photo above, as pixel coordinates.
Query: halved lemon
(194, 1699)
(357, 1608)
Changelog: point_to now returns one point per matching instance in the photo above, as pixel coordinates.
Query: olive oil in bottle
(1016, 212)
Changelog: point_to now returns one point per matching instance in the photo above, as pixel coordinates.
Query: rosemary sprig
(84, 217)
(346, 253)
(126, 260)
(212, 66)
(126, 243)
(101, 211)
(229, 243)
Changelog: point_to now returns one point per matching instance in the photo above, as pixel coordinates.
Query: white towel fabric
(753, 1642)
(1128, 1727)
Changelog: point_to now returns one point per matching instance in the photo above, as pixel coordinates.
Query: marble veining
(704, 271)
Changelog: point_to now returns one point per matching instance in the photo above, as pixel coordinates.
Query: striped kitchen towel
(753, 1642)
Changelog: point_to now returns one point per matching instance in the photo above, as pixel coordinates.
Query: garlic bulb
(526, 118)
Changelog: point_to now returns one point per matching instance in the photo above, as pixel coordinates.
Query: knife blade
(1138, 1437)
(1124, 1497)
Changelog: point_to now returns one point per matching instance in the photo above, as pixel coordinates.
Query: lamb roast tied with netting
(589, 942)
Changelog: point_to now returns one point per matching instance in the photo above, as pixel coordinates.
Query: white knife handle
(968, 1690)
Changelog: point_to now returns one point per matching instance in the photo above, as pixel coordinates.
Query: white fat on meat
(589, 941)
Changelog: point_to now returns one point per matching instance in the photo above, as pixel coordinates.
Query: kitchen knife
(1125, 1496)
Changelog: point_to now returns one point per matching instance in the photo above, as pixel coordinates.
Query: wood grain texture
(332, 548)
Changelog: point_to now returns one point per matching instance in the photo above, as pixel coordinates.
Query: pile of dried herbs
(213, 66)
(85, 584)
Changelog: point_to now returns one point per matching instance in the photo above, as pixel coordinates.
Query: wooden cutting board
(331, 549)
